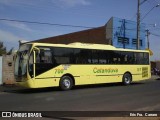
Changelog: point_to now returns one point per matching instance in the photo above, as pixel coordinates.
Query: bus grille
(144, 72)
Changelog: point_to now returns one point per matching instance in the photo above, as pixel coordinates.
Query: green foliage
(2, 49)
(10, 51)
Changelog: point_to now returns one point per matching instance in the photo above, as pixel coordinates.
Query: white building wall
(8, 69)
(1, 70)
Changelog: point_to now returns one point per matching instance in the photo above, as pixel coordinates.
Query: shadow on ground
(20, 90)
(158, 78)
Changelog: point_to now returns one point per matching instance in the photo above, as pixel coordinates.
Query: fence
(8, 69)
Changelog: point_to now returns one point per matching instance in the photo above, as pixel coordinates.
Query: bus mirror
(150, 51)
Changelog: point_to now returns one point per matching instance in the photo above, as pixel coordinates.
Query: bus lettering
(59, 71)
(105, 70)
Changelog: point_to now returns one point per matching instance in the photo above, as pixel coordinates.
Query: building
(123, 33)
(155, 64)
(118, 32)
(95, 35)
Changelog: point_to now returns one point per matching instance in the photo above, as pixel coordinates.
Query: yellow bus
(39, 65)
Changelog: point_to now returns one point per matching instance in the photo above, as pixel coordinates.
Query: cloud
(60, 3)
(19, 25)
(5, 2)
(17, 2)
(71, 3)
(8, 36)
(9, 39)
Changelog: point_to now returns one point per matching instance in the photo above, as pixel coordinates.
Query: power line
(44, 23)
(61, 25)
(155, 34)
(143, 2)
(54, 24)
(156, 2)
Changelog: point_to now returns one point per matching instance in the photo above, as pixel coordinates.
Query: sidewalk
(155, 77)
(5, 88)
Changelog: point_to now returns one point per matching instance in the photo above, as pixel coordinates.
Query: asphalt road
(141, 96)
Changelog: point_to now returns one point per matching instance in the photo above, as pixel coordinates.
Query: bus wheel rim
(66, 83)
(127, 79)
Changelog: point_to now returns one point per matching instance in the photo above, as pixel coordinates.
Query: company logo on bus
(105, 70)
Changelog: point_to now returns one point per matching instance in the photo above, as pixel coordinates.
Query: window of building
(134, 42)
(123, 40)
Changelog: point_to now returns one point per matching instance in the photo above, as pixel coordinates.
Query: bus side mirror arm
(34, 62)
(36, 49)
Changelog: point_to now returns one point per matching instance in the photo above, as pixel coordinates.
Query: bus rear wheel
(127, 79)
(66, 83)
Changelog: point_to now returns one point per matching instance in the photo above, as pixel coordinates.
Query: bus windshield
(21, 60)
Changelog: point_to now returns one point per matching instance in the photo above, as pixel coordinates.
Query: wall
(8, 69)
(127, 30)
(0, 70)
(109, 31)
(158, 65)
(95, 35)
(153, 64)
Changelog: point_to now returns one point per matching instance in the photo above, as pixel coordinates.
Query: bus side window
(146, 58)
(102, 57)
(43, 60)
(82, 56)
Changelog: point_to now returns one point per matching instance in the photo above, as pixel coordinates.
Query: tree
(10, 51)
(2, 49)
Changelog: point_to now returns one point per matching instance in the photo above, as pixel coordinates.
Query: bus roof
(87, 46)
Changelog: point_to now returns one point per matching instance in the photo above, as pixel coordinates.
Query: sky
(87, 13)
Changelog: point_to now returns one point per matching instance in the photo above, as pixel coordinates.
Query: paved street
(141, 96)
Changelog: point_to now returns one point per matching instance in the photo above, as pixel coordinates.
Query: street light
(148, 33)
(150, 11)
(138, 20)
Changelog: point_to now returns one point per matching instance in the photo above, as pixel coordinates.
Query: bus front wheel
(66, 83)
(127, 79)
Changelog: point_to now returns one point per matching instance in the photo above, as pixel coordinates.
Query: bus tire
(66, 83)
(127, 79)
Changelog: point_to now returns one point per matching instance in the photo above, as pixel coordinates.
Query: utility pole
(124, 33)
(148, 33)
(138, 24)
